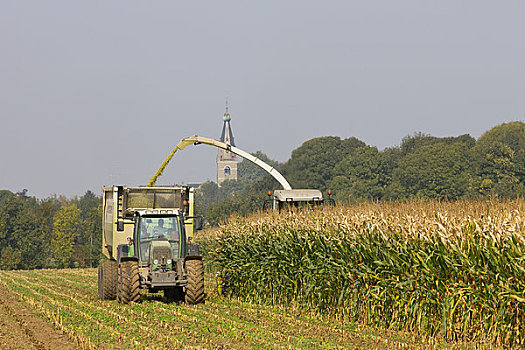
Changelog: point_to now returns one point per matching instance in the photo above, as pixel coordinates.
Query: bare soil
(21, 328)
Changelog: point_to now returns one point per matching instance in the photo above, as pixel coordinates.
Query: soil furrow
(22, 328)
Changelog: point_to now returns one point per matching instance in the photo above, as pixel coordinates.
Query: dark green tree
(205, 196)
(10, 208)
(87, 202)
(312, 164)
(21, 241)
(499, 161)
(229, 188)
(411, 143)
(10, 258)
(439, 170)
(91, 238)
(364, 174)
(248, 172)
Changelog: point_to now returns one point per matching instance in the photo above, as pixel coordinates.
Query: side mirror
(120, 225)
(197, 223)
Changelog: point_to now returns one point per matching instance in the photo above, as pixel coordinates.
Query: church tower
(226, 160)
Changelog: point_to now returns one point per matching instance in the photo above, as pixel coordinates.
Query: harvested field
(21, 327)
(68, 299)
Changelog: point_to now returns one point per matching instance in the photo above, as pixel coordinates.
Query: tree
(87, 202)
(9, 258)
(439, 171)
(249, 172)
(92, 239)
(364, 174)
(229, 188)
(411, 143)
(205, 196)
(66, 228)
(21, 243)
(511, 134)
(10, 206)
(312, 164)
(499, 156)
(27, 240)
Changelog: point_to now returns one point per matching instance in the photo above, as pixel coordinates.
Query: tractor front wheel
(195, 286)
(128, 282)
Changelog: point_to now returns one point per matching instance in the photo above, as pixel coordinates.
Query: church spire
(227, 134)
(226, 160)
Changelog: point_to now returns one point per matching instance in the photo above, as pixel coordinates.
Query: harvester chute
(196, 140)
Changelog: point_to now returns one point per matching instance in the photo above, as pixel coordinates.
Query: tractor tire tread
(129, 282)
(195, 287)
(107, 280)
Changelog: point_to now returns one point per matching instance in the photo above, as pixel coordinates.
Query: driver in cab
(160, 229)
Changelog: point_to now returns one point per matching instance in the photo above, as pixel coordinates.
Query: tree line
(54, 232)
(66, 232)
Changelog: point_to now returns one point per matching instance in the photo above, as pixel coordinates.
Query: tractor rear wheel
(119, 284)
(195, 286)
(128, 282)
(107, 280)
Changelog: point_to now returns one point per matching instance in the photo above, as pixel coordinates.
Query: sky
(96, 93)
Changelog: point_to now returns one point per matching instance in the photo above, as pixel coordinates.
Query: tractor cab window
(164, 228)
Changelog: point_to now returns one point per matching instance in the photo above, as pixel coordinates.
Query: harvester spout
(196, 140)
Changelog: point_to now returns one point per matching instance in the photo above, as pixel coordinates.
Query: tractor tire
(107, 280)
(128, 282)
(174, 294)
(119, 284)
(195, 286)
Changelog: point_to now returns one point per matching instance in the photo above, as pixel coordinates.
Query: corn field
(451, 270)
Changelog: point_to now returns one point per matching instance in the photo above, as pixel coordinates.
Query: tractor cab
(159, 241)
(159, 238)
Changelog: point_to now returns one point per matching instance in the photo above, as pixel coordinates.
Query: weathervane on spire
(226, 116)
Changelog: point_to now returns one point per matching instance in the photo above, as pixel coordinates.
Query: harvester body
(280, 199)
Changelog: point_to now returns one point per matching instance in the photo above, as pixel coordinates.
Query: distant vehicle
(280, 199)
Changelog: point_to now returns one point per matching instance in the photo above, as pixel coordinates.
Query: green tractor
(146, 239)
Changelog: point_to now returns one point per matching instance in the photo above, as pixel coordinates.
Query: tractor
(146, 239)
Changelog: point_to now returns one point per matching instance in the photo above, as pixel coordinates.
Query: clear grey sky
(99, 92)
